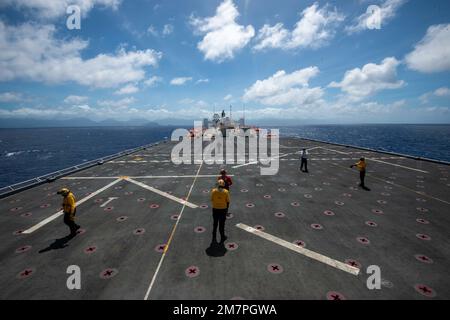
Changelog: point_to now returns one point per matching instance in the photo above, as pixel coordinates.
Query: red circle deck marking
(90, 249)
(23, 249)
(192, 272)
(250, 205)
(81, 231)
(204, 206)
(371, 224)
(339, 203)
(107, 209)
(267, 196)
(307, 196)
(422, 210)
(386, 283)
(377, 211)
(199, 229)
(230, 216)
(333, 295)
(425, 290)
(26, 273)
(422, 236)
(328, 213)
(300, 243)
(279, 214)
(316, 226)
(174, 217)
(422, 221)
(139, 231)
(295, 204)
(363, 240)
(26, 215)
(121, 219)
(141, 200)
(108, 273)
(423, 258)
(244, 190)
(348, 195)
(160, 248)
(154, 206)
(275, 268)
(353, 263)
(18, 232)
(259, 227)
(231, 246)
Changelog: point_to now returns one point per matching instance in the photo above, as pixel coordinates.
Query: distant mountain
(77, 122)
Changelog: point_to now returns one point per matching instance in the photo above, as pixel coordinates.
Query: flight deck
(146, 228)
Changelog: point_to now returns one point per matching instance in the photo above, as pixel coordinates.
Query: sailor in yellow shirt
(69, 209)
(220, 199)
(361, 165)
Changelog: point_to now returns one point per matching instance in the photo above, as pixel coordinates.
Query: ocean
(29, 153)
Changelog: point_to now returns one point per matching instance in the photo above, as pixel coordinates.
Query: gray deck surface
(408, 198)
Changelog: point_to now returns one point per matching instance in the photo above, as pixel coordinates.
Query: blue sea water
(28, 153)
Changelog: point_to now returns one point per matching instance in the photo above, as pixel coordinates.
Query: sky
(284, 61)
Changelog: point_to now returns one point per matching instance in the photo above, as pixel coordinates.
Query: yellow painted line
(147, 294)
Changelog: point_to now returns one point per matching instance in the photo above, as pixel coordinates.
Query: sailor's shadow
(216, 249)
(58, 244)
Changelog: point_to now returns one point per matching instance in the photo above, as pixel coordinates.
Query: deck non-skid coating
(402, 225)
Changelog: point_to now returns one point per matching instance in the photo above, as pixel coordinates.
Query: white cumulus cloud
(180, 81)
(315, 27)
(223, 35)
(50, 9)
(283, 89)
(128, 89)
(388, 10)
(432, 53)
(72, 99)
(370, 79)
(31, 52)
(10, 97)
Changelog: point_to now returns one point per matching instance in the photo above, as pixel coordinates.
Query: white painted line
(109, 200)
(88, 178)
(147, 294)
(334, 150)
(162, 193)
(60, 213)
(398, 165)
(145, 177)
(310, 254)
(256, 162)
(165, 177)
